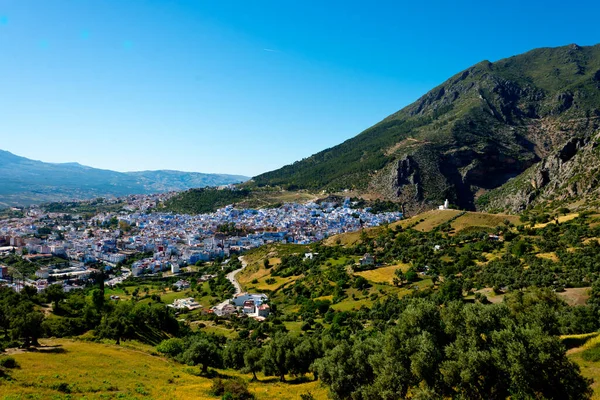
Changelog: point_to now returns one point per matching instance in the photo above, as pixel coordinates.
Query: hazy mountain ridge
(26, 181)
(472, 134)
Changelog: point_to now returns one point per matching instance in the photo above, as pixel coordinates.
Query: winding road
(234, 282)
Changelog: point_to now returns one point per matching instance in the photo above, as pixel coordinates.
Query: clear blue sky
(240, 86)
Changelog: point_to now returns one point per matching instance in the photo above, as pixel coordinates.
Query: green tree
(233, 354)
(172, 347)
(278, 356)
(201, 351)
(252, 361)
(55, 294)
(118, 323)
(345, 369)
(26, 324)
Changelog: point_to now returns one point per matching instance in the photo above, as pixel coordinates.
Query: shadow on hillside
(294, 381)
(57, 349)
(577, 341)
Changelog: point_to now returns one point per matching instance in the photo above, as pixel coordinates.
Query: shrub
(8, 362)
(62, 387)
(591, 354)
(171, 347)
(233, 389)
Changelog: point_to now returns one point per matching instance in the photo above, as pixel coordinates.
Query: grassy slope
(382, 278)
(430, 220)
(589, 369)
(105, 371)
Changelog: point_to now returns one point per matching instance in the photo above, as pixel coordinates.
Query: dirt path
(234, 282)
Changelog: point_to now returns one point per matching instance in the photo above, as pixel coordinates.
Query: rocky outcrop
(572, 172)
(516, 123)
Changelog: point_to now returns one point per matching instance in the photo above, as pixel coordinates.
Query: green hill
(471, 134)
(26, 181)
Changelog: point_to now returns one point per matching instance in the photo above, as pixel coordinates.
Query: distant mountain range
(499, 135)
(24, 181)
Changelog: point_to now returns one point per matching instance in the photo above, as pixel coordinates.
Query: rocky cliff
(478, 131)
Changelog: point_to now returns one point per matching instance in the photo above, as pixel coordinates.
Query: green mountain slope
(471, 134)
(26, 181)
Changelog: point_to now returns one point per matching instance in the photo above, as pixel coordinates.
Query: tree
(411, 275)
(307, 350)
(536, 365)
(345, 369)
(278, 356)
(171, 347)
(361, 283)
(26, 324)
(116, 324)
(233, 354)
(98, 299)
(252, 361)
(55, 293)
(201, 351)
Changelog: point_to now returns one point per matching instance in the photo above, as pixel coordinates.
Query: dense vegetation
(205, 200)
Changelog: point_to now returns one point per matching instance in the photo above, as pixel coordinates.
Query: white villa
(239, 299)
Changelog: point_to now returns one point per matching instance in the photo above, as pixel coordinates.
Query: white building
(42, 273)
(445, 206)
(241, 298)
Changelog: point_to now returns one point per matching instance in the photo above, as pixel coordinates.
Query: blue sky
(240, 86)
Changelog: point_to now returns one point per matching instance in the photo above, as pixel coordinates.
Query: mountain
(26, 181)
(479, 130)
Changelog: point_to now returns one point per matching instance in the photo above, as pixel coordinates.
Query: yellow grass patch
(101, 371)
(562, 218)
(548, 256)
(343, 239)
(471, 219)
(383, 274)
(589, 369)
(431, 219)
(349, 304)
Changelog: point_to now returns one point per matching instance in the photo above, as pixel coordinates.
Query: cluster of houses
(171, 241)
(252, 305)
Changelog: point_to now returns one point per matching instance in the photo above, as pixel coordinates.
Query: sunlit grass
(106, 371)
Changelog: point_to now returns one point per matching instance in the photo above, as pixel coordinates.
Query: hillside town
(168, 242)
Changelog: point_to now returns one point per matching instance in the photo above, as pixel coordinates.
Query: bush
(9, 362)
(591, 354)
(233, 389)
(61, 387)
(171, 347)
